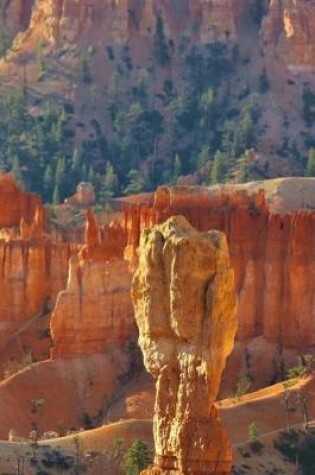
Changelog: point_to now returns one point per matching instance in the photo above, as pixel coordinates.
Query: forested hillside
(157, 103)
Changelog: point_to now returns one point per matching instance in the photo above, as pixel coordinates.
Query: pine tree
(204, 156)
(218, 171)
(136, 182)
(247, 130)
(48, 182)
(60, 177)
(137, 458)
(56, 195)
(177, 169)
(40, 60)
(242, 169)
(310, 167)
(111, 180)
(207, 109)
(4, 44)
(160, 43)
(16, 170)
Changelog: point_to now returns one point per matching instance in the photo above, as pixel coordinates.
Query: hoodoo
(184, 300)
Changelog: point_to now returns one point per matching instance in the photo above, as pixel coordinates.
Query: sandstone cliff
(15, 204)
(33, 268)
(271, 240)
(95, 311)
(183, 293)
(288, 30)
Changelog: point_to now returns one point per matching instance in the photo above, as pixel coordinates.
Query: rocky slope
(183, 293)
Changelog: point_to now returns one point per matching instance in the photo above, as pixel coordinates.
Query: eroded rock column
(184, 300)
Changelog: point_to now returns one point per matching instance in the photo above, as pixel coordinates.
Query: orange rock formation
(15, 204)
(33, 269)
(272, 254)
(183, 293)
(95, 311)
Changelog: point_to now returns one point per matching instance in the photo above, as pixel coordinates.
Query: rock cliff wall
(183, 293)
(288, 31)
(15, 15)
(33, 269)
(95, 311)
(15, 204)
(65, 20)
(272, 254)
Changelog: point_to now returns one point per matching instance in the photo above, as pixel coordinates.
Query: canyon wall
(65, 20)
(95, 310)
(273, 255)
(288, 32)
(15, 15)
(184, 299)
(33, 269)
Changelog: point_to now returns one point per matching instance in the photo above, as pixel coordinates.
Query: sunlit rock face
(184, 300)
(33, 268)
(94, 312)
(271, 240)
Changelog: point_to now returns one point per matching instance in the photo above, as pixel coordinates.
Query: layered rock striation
(183, 294)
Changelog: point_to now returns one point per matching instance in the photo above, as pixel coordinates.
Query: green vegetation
(298, 447)
(151, 130)
(308, 98)
(310, 166)
(137, 458)
(254, 437)
(160, 43)
(40, 60)
(302, 368)
(4, 44)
